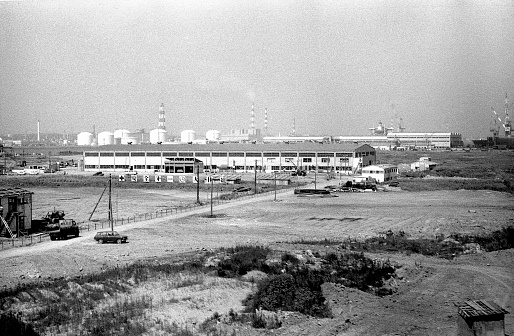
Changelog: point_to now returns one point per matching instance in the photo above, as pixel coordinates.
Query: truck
(62, 229)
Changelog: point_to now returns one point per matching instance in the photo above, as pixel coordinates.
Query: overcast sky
(337, 67)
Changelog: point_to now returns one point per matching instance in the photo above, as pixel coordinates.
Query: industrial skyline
(327, 67)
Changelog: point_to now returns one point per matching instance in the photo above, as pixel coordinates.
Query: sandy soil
(423, 305)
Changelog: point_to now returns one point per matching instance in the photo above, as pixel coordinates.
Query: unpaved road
(423, 304)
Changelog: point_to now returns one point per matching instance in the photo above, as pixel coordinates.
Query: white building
(381, 173)
(168, 158)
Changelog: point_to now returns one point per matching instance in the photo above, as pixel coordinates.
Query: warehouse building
(186, 158)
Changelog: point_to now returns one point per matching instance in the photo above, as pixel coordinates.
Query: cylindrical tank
(105, 138)
(84, 139)
(187, 136)
(118, 134)
(157, 136)
(212, 135)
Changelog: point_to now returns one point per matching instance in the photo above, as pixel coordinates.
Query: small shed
(480, 318)
(15, 211)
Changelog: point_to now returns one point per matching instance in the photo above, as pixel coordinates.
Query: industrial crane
(506, 123)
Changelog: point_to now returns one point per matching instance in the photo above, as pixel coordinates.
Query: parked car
(110, 237)
(98, 174)
(394, 184)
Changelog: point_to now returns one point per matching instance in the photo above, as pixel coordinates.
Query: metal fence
(91, 226)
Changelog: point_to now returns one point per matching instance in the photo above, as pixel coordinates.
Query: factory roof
(5, 192)
(302, 147)
(478, 308)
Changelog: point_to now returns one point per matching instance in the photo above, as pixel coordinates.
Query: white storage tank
(212, 135)
(120, 133)
(157, 136)
(187, 136)
(84, 139)
(105, 138)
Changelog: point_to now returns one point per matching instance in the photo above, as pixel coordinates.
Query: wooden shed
(15, 211)
(480, 318)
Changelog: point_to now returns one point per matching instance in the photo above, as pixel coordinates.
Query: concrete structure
(295, 139)
(15, 210)
(85, 139)
(119, 134)
(105, 138)
(158, 136)
(243, 135)
(213, 135)
(381, 173)
(187, 136)
(343, 159)
(426, 140)
(480, 318)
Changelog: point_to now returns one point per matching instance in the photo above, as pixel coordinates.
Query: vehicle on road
(98, 174)
(62, 229)
(110, 237)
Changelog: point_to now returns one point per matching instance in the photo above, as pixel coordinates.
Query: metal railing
(96, 225)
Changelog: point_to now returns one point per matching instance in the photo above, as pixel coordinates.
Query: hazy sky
(338, 67)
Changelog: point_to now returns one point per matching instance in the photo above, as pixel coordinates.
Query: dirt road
(429, 287)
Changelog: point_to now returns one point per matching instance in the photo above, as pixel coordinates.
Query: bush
(292, 293)
(245, 259)
(11, 324)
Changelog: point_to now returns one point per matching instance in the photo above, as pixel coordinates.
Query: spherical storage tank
(105, 138)
(187, 136)
(84, 139)
(157, 136)
(212, 135)
(120, 133)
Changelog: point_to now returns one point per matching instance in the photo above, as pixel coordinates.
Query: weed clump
(11, 324)
(243, 259)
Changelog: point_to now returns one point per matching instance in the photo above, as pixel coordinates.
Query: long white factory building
(184, 158)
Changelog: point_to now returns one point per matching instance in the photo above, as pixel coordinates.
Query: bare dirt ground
(427, 287)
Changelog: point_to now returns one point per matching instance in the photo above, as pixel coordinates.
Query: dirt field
(427, 289)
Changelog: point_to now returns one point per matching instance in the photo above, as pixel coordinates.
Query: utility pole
(198, 183)
(275, 186)
(211, 194)
(315, 177)
(110, 203)
(255, 178)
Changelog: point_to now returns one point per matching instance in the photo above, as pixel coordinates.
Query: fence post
(122, 221)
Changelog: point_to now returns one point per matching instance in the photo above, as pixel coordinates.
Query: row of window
(223, 154)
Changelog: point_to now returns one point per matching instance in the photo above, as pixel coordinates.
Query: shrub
(12, 325)
(292, 293)
(245, 259)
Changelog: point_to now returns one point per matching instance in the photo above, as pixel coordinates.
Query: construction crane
(506, 122)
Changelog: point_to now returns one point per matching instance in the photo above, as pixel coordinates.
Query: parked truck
(63, 229)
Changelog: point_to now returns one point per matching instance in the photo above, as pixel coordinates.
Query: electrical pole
(211, 194)
(275, 186)
(110, 204)
(255, 178)
(198, 183)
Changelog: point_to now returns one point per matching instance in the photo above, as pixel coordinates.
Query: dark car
(394, 184)
(98, 174)
(110, 237)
